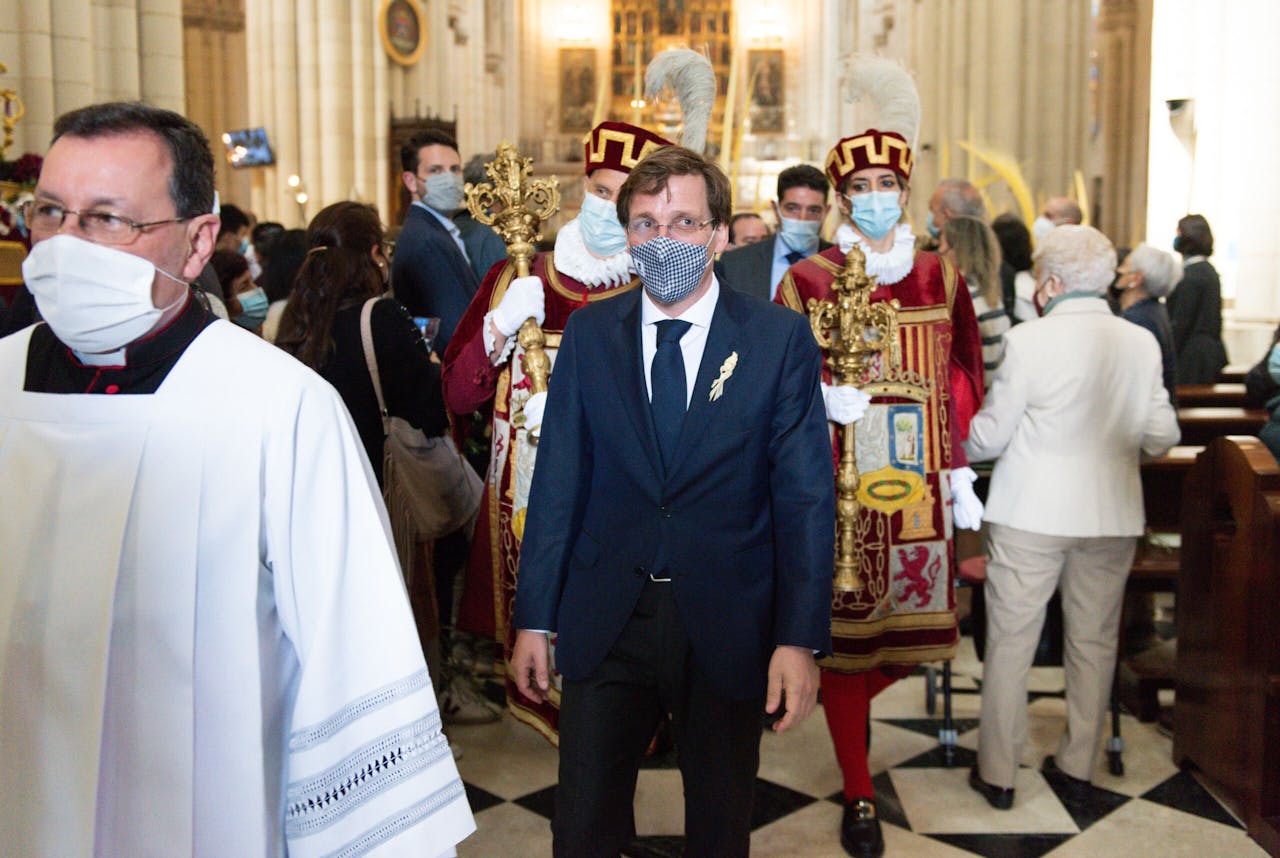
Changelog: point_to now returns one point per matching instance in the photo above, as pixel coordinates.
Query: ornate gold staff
(12, 112)
(515, 206)
(852, 331)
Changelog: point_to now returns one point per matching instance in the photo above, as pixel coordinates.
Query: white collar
(699, 314)
(573, 259)
(888, 268)
(1192, 260)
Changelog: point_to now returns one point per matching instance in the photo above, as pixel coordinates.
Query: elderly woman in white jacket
(1074, 406)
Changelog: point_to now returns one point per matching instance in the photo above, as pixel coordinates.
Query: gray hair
(1080, 256)
(1159, 269)
(961, 199)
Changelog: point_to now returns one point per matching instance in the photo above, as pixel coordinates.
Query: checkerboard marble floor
(927, 808)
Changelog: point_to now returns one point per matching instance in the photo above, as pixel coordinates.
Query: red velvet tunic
(907, 444)
(472, 383)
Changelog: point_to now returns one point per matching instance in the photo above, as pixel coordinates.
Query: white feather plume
(689, 75)
(891, 88)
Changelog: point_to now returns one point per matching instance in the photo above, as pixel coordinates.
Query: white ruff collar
(887, 268)
(573, 258)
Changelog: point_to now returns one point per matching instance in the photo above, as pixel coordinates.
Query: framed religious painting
(402, 24)
(765, 88)
(577, 89)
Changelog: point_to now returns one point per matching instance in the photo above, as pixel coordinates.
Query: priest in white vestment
(205, 644)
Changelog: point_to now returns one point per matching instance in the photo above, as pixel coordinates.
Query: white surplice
(205, 644)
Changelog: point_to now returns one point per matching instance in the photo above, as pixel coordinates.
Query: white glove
(533, 408)
(966, 509)
(522, 300)
(844, 404)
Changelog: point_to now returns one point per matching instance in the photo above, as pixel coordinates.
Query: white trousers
(1023, 569)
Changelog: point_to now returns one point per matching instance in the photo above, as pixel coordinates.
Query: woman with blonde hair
(973, 247)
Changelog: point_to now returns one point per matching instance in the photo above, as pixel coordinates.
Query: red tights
(846, 699)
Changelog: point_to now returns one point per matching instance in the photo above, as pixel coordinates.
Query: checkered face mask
(670, 270)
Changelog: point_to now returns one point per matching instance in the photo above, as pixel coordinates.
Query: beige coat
(1076, 401)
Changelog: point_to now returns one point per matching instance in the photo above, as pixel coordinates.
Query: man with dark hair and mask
(801, 207)
(204, 634)
(431, 273)
(484, 371)
(680, 535)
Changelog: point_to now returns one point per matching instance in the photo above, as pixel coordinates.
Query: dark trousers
(607, 720)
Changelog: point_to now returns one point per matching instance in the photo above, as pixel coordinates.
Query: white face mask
(95, 298)
(1041, 227)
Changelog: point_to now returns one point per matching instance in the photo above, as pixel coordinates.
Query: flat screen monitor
(248, 148)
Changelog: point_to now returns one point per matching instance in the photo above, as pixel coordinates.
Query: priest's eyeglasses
(97, 225)
(683, 227)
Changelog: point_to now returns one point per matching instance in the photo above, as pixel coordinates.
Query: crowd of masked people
(1051, 335)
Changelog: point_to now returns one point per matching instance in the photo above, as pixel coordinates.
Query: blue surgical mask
(875, 212)
(253, 308)
(244, 246)
(670, 270)
(602, 232)
(800, 235)
(931, 226)
(1177, 244)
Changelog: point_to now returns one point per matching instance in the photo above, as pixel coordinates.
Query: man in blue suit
(430, 273)
(680, 534)
(801, 206)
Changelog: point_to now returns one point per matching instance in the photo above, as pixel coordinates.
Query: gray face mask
(670, 270)
(443, 192)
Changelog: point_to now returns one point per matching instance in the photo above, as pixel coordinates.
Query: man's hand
(792, 670)
(529, 663)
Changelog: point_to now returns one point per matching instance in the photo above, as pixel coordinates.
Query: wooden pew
(1202, 425)
(1227, 714)
(1211, 396)
(1155, 570)
(1234, 373)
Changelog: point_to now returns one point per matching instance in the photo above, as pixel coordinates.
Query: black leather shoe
(1001, 798)
(1071, 785)
(860, 829)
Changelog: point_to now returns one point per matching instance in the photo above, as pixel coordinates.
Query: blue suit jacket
(429, 275)
(750, 268)
(743, 521)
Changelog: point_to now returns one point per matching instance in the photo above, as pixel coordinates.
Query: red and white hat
(871, 148)
(619, 146)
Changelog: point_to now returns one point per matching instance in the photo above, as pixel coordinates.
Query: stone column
(1124, 95)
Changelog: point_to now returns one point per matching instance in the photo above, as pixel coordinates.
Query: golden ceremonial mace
(515, 206)
(12, 112)
(852, 331)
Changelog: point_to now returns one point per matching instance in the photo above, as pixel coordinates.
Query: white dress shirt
(692, 343)
(448, 225)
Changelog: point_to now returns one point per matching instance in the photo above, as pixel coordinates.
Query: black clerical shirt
(53, 368)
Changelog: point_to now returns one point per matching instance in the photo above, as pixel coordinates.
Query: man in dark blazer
(680, 534)
(801, 206)
(430, 273)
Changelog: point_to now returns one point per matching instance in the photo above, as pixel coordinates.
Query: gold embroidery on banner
(917, 519)
(854, 629)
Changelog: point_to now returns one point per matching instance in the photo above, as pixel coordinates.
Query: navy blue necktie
(669, 398)
(794, 256)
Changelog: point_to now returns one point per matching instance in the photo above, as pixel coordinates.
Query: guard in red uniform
(483, 371)
(915, 484)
